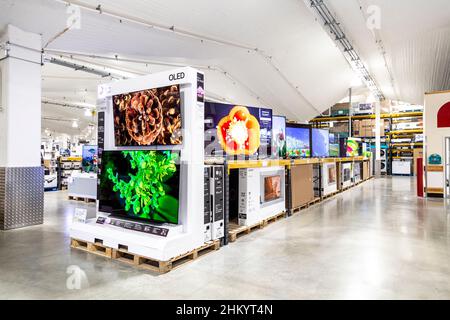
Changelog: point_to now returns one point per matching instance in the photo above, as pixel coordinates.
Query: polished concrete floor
(375, 241)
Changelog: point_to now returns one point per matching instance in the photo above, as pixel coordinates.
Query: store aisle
(374, 241)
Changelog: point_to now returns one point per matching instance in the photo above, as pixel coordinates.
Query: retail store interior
(320, 131)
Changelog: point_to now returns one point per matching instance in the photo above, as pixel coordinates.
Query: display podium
(147, 238)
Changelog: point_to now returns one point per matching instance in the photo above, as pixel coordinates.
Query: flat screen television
(279, 137)
(320, 143)
(353, 147)
(298, 141)
(148, 117)
(235, 130)
(141, 185)
(89, 158)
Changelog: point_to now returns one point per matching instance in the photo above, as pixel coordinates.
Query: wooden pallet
(331, 195)
(87, 200)
(136, 260)
(274, 218)
(164, 266)
(96, 248)
(235, 231)
(315, 201)
(299, 208)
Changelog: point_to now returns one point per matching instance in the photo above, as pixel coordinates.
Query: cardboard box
(340, 109)
(339, 127)
(366, 170)
(302, 187)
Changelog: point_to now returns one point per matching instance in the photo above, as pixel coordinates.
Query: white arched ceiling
(256, 52)
(270, 53)
(415, 35)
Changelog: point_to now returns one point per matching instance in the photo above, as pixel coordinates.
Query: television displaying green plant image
(141, 185)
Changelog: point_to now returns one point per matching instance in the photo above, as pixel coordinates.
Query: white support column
(20, 130)
(377, 139)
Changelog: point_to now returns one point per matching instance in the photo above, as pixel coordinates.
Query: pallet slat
(139, 261)
(95, 248)
(235, 231)
(87, 200)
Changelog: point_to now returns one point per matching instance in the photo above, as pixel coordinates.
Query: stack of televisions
(142, 180)
(267, 165)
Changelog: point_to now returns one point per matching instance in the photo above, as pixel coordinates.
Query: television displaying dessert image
(140, 185)
(298, 141)
(148, 117)
(272, 188)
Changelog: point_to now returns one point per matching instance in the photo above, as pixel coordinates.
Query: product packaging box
(261, 194)
(339, 127)
(302, 186)
(366, 170)
(340, 109)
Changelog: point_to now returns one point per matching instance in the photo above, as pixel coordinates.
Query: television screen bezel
(299, 125)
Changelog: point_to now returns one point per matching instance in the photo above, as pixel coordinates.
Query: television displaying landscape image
(141, 185)
(298, 141)
(148, 117)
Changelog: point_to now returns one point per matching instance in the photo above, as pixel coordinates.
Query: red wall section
(443, 116)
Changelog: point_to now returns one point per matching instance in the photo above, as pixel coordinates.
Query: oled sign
(176, 76)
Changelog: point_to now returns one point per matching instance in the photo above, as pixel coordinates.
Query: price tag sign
(80, 215)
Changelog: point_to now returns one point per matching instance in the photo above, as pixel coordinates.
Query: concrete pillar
(21, 174)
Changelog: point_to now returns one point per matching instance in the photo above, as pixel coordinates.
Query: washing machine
(384, 162)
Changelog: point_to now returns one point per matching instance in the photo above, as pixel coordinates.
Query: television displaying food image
(298, 141)
(279, 136)
(148, 117)
(272, 188)
(141, 185)
(331, 175)
(233, 130)
(320, 142)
